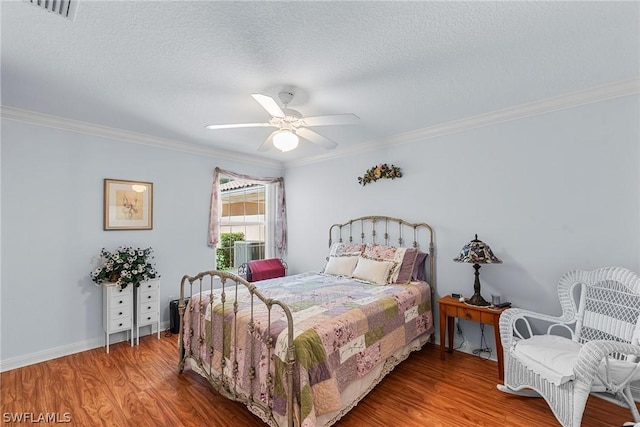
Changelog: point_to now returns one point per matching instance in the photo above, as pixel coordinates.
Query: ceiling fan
(291, 124)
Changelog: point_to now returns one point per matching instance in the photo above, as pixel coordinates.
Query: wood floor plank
(11, 386)
(140, 386)
(100, 407)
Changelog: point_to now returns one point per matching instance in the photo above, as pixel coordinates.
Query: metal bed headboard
(389, 231)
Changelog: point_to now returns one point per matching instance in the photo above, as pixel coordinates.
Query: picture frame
(128, 205)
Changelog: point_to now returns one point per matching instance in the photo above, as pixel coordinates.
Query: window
(247, 219)
(242, 223)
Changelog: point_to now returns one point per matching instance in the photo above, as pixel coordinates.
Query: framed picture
(128, 205)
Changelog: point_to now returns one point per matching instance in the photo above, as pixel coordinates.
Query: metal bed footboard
(204, 283)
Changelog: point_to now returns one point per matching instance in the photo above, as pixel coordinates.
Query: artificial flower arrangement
(380, 171)
(124, 266)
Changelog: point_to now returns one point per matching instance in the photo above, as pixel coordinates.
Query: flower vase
(114, 277)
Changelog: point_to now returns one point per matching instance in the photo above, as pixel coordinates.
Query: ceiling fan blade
(238, 125)
(268, 104)
(316, 138)
(267, 142)
(333, 119)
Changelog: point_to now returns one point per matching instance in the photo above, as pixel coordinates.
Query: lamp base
(477, 299)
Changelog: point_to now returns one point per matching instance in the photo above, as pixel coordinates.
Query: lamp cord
(484, 348)
(459, 332)
(483, 341)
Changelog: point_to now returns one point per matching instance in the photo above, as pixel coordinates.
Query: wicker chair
(591, 348)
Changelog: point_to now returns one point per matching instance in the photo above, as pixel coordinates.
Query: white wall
(52, 201)
(548, 193)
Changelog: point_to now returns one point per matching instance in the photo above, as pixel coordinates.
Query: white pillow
(387, 253)
(341, 265)
(373, 271)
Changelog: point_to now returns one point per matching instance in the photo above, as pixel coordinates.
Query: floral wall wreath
(378, 172)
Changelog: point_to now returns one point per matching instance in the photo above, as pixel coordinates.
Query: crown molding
(86, 128)
(570, 100)
(562, 102)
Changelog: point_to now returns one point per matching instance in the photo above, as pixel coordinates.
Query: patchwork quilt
(343, 328)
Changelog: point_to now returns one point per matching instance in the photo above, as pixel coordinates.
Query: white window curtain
(275, 187)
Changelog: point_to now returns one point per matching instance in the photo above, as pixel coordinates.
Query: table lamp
(477, 252)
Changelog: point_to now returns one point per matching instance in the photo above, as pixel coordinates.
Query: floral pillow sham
(346, 249)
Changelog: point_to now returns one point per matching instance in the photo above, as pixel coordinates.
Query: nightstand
(148, 306)
(117, 310)
(450, 308)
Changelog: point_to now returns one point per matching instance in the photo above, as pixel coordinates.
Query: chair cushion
(554, 357)
(551, 356)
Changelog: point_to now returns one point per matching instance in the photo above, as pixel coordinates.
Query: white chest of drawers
(117, 310)
(147, 303)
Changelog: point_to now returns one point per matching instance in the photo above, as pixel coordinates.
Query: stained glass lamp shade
(477, 252)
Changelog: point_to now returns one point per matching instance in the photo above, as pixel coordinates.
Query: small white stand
(117, 311)
(148, 306)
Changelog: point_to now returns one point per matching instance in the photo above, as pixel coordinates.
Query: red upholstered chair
(263, 269)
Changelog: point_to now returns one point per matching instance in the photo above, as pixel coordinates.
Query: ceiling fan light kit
(291, 124)
(285, 140)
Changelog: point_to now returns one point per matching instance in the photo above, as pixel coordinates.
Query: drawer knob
(149, 308)
(120, 324)
(120, 301)
(149, 297)
(120, 314)
(148, 318)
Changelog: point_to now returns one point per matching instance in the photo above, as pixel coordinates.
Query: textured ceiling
(166, 69)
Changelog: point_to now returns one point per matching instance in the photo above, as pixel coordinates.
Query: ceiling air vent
(64, 8)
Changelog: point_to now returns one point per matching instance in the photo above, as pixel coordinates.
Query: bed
(305, 349)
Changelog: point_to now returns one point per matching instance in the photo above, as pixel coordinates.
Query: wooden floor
(140, 386)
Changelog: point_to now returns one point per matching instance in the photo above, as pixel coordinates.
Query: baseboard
(66, 350)
(53, 353)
